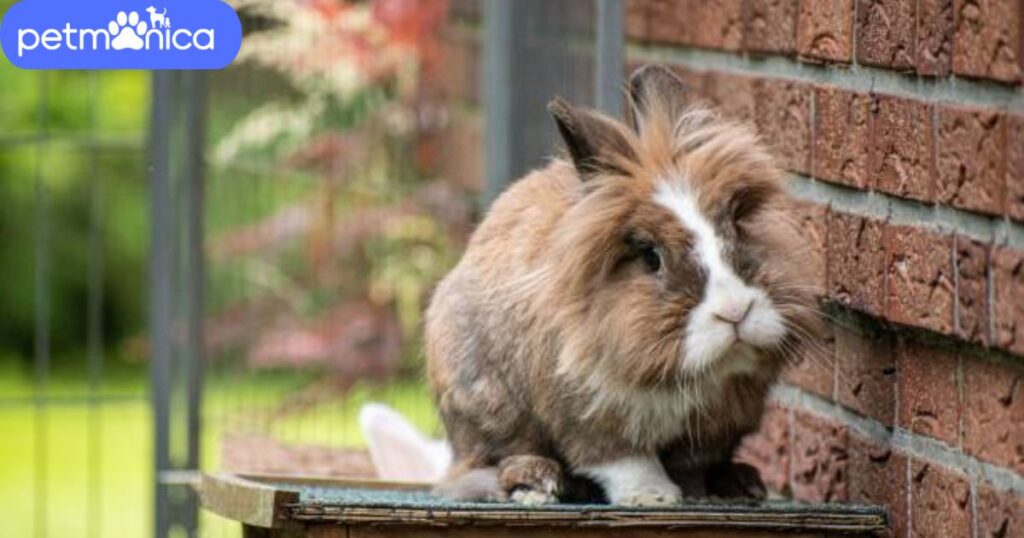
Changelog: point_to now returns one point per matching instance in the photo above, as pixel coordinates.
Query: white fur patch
(708, 337)
(635, 481)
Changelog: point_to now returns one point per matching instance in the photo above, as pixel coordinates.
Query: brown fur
(549, 336)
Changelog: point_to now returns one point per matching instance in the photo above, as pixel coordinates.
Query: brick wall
(902, 123)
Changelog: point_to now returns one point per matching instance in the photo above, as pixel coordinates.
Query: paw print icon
(127, 31)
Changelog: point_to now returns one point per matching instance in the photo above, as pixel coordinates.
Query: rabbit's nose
(735, 313)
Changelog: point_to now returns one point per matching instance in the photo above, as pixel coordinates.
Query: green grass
(75, 469)
(45, 464)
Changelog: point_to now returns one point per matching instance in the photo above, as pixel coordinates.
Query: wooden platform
(289, 506)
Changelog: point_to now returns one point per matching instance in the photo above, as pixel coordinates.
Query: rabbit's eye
(651, 257)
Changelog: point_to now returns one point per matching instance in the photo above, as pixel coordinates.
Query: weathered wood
(824, 521)
(355, 482)
(246, 501)
(308, 506)
(513, 532)
(249, 531)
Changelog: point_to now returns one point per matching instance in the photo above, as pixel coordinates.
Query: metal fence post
(533, 51)
(194, 92)
(160, 296)
(497, 95)
(176, 292)
(610, 58)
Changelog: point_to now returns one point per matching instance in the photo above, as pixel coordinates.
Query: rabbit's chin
(739, 359)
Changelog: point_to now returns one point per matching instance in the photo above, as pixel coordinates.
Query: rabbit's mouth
(729, 321)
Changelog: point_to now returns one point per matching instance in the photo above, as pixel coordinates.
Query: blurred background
(207, 271)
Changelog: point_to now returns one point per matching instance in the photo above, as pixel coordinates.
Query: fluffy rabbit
(620, 315)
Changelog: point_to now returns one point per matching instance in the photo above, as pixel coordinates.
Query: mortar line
(853, 77)
(915, 446)
(900, 211)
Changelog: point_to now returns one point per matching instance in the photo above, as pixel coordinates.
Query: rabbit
(619, 316)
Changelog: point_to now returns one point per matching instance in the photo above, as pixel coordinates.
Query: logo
(121, 34)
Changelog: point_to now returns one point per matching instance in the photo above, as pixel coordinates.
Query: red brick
(878, 476)
(1015, 166)
(1000, 514)
(813, 220)
(934, 37)
(768, 449)
(812, 368)
(819, 458)
(637, 19)
(901, 150)
(885, 33)
(842, 130)
(732, 94)
(824, 30)
(971, 157)
(987, 39)
(1008, 295)
(939, 502)
(669, 20)
(919, 282)
(770, 26)
(929, 402)
(867, 373)
(971, 289)
(717, 24)
(994, 413)
(856, 262)
(784, 120)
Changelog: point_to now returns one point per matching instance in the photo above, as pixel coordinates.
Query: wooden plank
(283, 502)
(246, 501)
(512, 532)
(840, 520)
(248, 531)
(340, 482)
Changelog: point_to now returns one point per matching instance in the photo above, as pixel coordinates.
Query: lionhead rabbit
(620, 315)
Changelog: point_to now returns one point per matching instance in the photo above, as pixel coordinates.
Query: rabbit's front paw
(531, 480)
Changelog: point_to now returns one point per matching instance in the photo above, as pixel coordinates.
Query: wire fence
(67, 169)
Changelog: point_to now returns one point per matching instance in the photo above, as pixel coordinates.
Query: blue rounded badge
(121, 34)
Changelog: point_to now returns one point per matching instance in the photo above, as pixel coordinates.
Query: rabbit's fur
(586, 331)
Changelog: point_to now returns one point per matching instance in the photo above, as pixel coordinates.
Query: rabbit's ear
(595, 142)
(655, 88)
